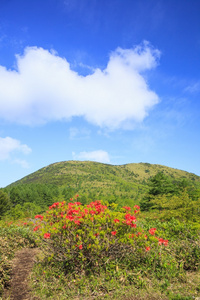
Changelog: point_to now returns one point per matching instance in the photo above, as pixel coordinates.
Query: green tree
(179, 206)
(160, 184)
(4, 203)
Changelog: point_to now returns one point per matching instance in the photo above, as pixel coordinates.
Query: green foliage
(180, 206)
(12, 238)
(184, 240)
(159, 185)
(93, 251)
(180, 197)
(84, 258)
(40, 194)
(94, 238)
(4, 203)
(125, 183)
(27, 210)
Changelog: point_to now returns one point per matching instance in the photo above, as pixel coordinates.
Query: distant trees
(26, 200)
(40, 194)
(160, 184)
(4, 203)
(175, 198)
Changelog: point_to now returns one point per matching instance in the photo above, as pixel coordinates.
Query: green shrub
(93, 237)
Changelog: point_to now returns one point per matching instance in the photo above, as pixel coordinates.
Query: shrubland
(100, 249)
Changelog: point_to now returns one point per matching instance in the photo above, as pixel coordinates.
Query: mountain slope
(103, 180)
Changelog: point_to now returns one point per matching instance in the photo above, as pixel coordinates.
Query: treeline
(178, 198)
(174, 198)
(26, 200)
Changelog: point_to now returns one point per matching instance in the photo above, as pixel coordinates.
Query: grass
(50, 282)
(49, 279)
(178, 276)
(12, 238)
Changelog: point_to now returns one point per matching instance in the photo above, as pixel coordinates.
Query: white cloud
(79, 133)
(23, 163)
(9, 145)
(43, 88)
(98, 155)
(193, 88)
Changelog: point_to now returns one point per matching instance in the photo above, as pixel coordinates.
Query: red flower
(116, 220)
(39, 217)
(36, 228)
(113, 232)
(147, 249)
(81, 247)
(152, 231)
(133, 225)
(47, 235)
(131, 235)
(162, 241)
(126, 207)
(77, 222)
(165, 242)
(137, 206)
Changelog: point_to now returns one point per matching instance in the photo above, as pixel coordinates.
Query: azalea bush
(95, 237)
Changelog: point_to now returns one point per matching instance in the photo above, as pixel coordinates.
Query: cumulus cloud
(44, 88)
(9, 145)
(98, 155)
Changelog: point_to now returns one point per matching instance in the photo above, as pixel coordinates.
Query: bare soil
(21, 269)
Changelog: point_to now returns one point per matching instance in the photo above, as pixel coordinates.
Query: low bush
(93, 238)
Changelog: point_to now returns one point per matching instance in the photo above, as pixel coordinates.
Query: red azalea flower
(137, 206)
(126, 207)
(116, 220)
(165, 242)
(162, 241)
(77, 222)
(113, 232)
(133, 225)
(39, 217)
(152, 231)
(36, 228)
(47, 235)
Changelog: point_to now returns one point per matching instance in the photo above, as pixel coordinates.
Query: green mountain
(97, 180)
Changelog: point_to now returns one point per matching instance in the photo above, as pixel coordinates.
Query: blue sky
(114, 81)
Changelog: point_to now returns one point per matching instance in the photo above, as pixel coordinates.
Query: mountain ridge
(140, 171)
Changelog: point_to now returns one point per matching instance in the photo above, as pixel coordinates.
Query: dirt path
(22, 265)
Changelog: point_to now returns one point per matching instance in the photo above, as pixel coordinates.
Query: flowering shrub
(93, 236)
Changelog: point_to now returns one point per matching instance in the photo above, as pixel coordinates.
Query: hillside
(103, 180)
